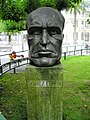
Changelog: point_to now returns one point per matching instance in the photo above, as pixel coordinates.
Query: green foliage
(31, 5)
(12, 10)
(34, 4)
(61, 4)
(73, 4)
(12, 26)
(88, 20)
(15, 11)
(2, 26)
(13, 15)
(48, 3)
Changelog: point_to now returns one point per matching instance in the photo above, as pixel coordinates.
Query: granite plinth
(44, 92)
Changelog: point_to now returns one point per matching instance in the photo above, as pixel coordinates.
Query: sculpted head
(45, 35)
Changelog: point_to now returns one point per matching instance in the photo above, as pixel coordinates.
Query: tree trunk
(9, 37)
(75, 33)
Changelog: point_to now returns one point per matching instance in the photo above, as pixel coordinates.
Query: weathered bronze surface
(45, 35)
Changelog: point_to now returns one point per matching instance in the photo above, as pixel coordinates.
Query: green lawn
(76, 91)
(77, 88)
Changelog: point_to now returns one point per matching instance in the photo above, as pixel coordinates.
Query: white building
(82, 27)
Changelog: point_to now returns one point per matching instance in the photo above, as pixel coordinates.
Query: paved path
(19, 69)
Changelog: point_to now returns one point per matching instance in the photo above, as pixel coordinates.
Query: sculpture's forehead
(44, 16)
(44, 20)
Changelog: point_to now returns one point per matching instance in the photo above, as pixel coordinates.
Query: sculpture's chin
(44, 62)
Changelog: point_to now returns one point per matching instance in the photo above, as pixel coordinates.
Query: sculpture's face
(45, 36)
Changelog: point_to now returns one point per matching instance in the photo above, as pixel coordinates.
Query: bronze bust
(45, 35)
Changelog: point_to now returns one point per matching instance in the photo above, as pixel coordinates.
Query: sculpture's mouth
(44, 54)
(47, 53)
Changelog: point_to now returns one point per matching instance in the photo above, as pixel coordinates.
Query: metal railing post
(81, 52)
(14, 69)
(1, 69)
(10, 66)
(64, 55)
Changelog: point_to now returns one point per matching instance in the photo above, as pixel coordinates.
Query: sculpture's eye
(53, 32)
(35, 31)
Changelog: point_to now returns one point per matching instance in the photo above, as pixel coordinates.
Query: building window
(82, 36)
(87, 25)
(86, 14)
(87, 36)
(14, 37)
(75, 35)
(76, 24)
(82, 24)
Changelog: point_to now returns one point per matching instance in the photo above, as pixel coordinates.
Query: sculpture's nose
(45, 37)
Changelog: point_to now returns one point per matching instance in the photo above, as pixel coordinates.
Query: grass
(76, 91)
(13, 96)
(77, 88)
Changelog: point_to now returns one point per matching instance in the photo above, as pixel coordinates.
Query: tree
(31, 5)
(88, 20)
(75, 6)
(14, 12)
(48, 3)
(13, 16)
(86, 5)
(61, 4)
(12, 27)
(17, 10)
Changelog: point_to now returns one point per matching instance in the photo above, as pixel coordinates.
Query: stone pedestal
(44, 90)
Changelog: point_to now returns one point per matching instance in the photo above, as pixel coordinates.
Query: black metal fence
(76, 52)
(23, 61)
(13, 65)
